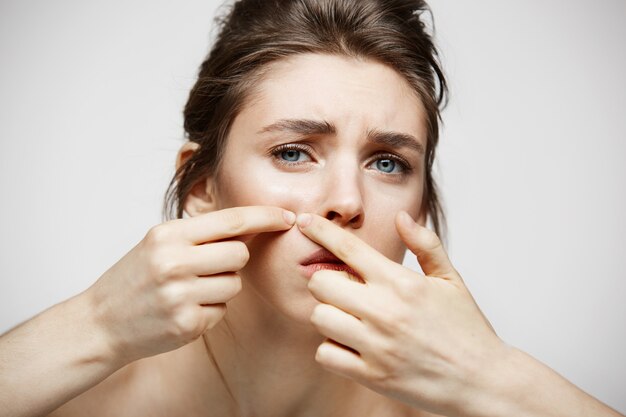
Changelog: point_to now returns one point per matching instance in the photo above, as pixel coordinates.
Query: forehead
(353, 94)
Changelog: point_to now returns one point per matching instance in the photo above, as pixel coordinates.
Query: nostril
(355, 221)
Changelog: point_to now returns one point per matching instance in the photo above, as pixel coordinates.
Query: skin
(155, 337)
(337, 178)
(264, 347)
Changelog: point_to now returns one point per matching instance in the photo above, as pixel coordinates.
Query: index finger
(364, 259)
(236, 221)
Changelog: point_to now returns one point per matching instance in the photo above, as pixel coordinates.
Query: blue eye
(391, 165)
(386, 165)
(291, 155)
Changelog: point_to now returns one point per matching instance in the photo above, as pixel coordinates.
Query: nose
(343, 198)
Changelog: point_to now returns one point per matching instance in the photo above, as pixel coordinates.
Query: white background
(531, 161)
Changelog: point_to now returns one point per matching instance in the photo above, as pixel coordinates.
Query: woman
(324, 110)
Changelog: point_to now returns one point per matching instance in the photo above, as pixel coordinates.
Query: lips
(324, 259)
(322, 256)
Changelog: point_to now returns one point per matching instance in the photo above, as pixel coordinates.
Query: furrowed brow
(395, 140)
(301, 126)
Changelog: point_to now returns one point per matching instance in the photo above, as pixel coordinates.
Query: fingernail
(406, 220)
(304, 219)
(290, 217)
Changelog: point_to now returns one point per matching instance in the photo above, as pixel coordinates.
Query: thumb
(426, 246)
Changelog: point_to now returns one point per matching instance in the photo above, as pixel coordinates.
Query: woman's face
(330, 135)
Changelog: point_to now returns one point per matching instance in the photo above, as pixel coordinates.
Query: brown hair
(255, 33)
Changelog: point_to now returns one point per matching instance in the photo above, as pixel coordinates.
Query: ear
(200, 198)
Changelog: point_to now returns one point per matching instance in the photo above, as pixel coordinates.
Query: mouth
(324, 259)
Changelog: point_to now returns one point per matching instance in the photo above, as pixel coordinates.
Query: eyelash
(275, 152)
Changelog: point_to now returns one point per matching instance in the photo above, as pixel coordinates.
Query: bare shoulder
(419, 413)
(406, 411)
(387, 407)
(148, 387)
(95, 400)
(177, 383)
(120, 394)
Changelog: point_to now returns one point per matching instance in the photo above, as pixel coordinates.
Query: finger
(338, 359)
(216, 289)
(236, 221)
(336, 288)
(426, 246)
(367, 261)
(216, 257)
(212, 314)
(339, 326)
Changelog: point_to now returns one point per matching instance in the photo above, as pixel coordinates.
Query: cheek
(379, 229)
(260, 185)
(381, 232)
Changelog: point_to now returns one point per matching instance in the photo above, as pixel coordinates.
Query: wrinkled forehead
(353, 94)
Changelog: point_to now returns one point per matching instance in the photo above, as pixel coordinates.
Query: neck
(266, 363)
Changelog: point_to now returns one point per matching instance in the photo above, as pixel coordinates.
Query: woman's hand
(417, 338)
(174, 284)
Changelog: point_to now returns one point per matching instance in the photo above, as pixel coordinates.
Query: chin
(298, 311)
(281, 297)
(274, 283)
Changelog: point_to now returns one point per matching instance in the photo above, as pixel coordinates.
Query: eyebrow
(316, 127)
(395, 140)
